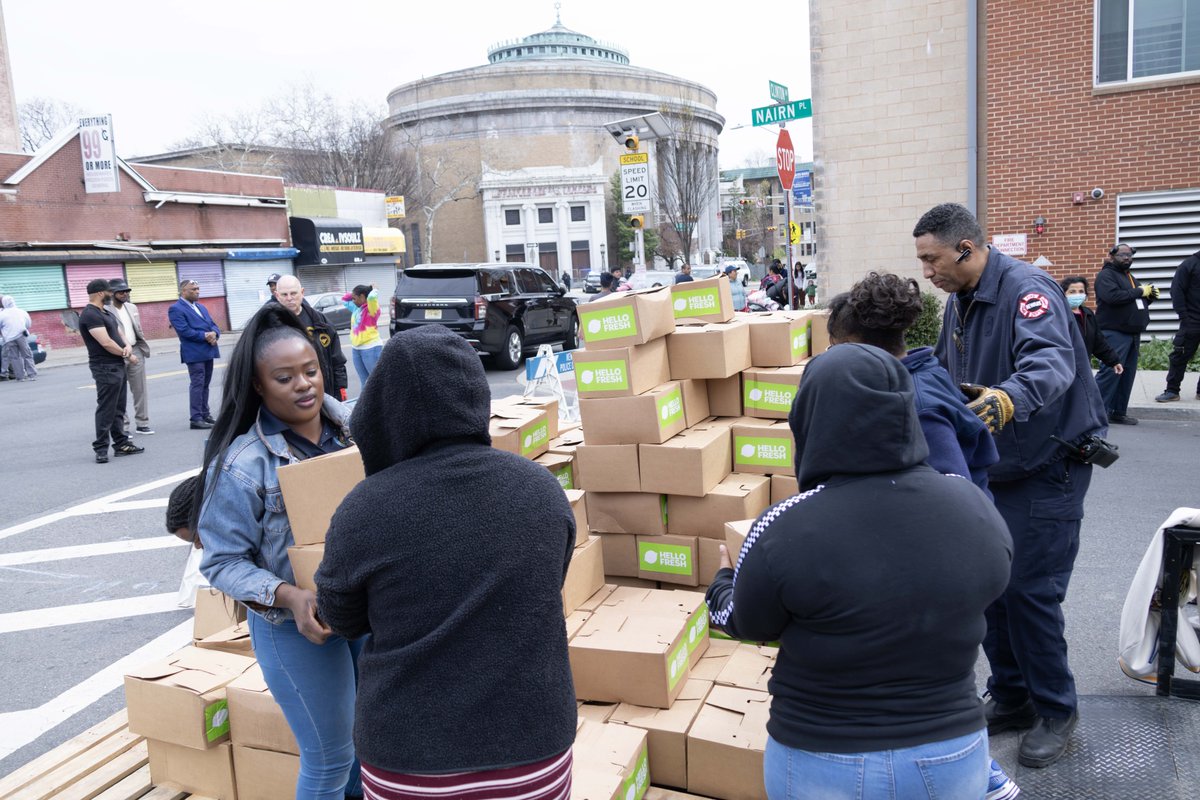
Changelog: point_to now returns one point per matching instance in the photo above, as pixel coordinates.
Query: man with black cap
(135, 366)
(273, 279)
(107, 354)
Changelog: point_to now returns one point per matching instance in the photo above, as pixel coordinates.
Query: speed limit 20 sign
(635, 183)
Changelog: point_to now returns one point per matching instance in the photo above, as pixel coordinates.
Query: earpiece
(963, 255)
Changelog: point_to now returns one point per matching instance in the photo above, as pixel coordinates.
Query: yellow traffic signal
(772, 228)
(637, 221)
(740, 234)
(631, 141)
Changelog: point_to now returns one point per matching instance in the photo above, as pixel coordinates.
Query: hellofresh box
(621, 371)
(627, 318)
(769, 392)
(709, 300)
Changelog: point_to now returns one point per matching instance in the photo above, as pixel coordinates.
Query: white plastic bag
(192, 579)
(1138, 642)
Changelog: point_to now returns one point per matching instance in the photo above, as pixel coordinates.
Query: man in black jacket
(1185, 299)
(1123, 311)
(290, 294)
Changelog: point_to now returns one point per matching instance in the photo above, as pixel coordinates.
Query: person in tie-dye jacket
(363, 302)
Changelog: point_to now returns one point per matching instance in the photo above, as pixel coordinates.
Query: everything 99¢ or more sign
(635, 183)
(100, 170)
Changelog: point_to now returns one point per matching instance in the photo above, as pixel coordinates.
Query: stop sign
(785, 160)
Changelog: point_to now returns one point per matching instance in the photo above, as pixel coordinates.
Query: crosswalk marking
(88, 550)
(38, 618)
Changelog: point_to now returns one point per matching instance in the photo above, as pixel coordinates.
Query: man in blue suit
(198, 336)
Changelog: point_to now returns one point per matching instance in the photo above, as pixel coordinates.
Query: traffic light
(739, 234)
(637, 221)
(631, 141)
(745, 201)
(772, 228)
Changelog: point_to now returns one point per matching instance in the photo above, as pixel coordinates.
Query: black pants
(111, 392)
(1185, 344)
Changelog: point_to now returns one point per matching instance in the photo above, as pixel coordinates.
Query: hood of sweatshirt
(428, 386)
(7, 301)
(854, 415)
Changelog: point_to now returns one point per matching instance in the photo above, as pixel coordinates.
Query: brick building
(163, 225)
(1018, 110)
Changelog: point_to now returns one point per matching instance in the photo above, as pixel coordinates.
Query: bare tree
(441, 175)
(687, 167)
(238, 142)
(42, 118)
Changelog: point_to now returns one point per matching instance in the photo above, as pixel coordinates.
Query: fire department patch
(1033, 305)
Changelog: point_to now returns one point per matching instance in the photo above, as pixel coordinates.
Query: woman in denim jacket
(274, 412)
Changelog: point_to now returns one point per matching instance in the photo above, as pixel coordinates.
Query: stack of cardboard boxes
(684, 442)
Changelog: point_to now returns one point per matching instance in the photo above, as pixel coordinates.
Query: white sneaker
(1000, 786)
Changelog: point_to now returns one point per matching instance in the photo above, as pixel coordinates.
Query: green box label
(696, 302)
(677, 665)
(535, 437)
(636, 784)
(670, 408)
(800, 344)
(662, 508)
(697, 629)
(608, 323)
(566, 477)
(769, 396)
(602, 376)
(762, 451)
(669, 559)
(216, 720)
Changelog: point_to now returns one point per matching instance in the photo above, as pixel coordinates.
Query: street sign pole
(785, 166)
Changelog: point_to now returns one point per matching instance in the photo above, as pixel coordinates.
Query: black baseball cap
(97, 285)
(273, 278)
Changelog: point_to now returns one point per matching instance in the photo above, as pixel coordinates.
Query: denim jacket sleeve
(243, 525)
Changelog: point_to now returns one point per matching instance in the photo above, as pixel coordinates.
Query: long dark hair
(240, 402)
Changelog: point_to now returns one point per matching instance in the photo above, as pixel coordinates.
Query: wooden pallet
(105, 762)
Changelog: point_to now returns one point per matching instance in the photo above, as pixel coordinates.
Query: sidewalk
(77, 356)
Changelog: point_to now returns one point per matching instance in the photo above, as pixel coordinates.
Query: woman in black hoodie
(874, 579)
(452, 555)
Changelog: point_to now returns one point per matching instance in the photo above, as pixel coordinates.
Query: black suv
(501, 309)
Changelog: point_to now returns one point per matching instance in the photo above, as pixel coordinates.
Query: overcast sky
(160, 66)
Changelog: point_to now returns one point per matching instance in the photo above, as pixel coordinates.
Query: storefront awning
(383, 240)
(261, 253)
(327, 240)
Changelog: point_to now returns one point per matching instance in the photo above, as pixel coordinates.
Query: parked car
(591, 284)
(330, 304)
(503, 310)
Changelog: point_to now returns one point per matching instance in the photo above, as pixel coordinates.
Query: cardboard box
(719, 651)
(764, 449)
(201, 772)
(314, 488)
(575, 497)
(523, 430)
(725, 396)
(633, 649)
(585, 575)
(597, 599)
(783, 487)
(255, 719)
(649, 418)
(575, 621)
(595, 712)
(712, 350)
(632, 513)
(234, 639)
(215, 612)
(626, 318)
(609, 762)
(622, 581)
(739, 496)
(621, 371)
(668, 559)
(708, 555)
(749, 667)
(708, 300)
(264, 775)
(561, 466)
(666, 731)
(726, 744)
(566, 442)
(305, 559)
(620, 555)
(608, 467)
(735, 536)
(539, 403)
(691, 462)
(778, 339)
(695, 401)
(818, 331)
(768, 392)
(181, 699)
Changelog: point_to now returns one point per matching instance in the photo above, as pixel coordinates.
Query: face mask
(1076, 300)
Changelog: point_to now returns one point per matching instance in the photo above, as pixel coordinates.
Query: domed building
(515, 158)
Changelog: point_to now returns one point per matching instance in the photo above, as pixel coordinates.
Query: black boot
(1002, 717)
(1047, 742)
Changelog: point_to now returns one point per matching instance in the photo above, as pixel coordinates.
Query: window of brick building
(1146, 39)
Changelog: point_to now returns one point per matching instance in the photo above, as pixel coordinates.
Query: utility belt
(1091, 450)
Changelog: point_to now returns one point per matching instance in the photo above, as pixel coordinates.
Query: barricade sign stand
(554, 373)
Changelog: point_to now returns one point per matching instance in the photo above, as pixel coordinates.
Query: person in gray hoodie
(14, 336)
(452, 556)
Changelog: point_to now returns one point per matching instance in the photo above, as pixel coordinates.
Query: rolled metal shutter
(39, 287)
(321, 278)
(152, 281)
(1164, 227)
(208, 274)
(246, 287)
(79, 275)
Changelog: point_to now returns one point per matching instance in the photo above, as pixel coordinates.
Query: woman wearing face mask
(1076, 289)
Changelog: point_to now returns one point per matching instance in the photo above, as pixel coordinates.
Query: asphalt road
(73, 620)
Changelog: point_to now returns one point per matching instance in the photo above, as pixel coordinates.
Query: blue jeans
(364, 363)
(315, 687)
(199, 377)
(954, 769)
(1115, 389)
